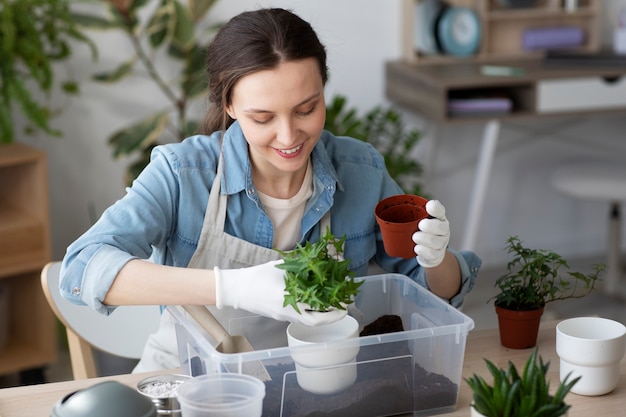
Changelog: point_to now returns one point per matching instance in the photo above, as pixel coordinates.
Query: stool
(603, 181)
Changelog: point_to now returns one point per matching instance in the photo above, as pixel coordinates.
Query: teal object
(459, 31)
(106, 399)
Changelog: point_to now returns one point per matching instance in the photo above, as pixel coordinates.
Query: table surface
(38, 400)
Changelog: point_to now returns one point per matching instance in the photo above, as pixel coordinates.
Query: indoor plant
(317, 274)
(533, 279)
(169, 39)
(34, 34)
(513, 394)
(385, 129)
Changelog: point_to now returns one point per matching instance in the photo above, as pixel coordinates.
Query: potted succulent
(533, 279)
(317, 274)
(513, 394)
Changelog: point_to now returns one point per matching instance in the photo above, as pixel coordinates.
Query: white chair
(600, 181)
(123, 333)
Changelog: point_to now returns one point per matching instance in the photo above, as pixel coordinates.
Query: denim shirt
(161, 215)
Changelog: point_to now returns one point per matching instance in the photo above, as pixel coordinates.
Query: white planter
(592, 348)
(325, 358)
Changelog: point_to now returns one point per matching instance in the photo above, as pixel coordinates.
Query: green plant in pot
(316, 274)
(515, 394)
(534, 278)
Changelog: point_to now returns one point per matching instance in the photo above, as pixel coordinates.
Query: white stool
(603, 181)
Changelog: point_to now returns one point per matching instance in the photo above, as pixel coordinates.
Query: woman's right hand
(260, 289)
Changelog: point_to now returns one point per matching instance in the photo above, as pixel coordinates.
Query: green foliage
(533, 279)
(34, 34)
(386, 131)
(160, 31)
(318, 277)
(515, 395)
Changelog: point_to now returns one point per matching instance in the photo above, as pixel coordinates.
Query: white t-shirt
(286, 214)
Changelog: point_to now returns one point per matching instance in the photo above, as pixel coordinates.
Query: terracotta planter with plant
(534, 278)
(519, 393)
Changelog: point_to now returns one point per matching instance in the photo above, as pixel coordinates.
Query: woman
(210, 211)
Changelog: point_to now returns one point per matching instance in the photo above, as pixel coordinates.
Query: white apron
(217, 248)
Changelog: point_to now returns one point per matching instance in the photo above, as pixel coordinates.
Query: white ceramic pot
(592, 348)
(325, 358)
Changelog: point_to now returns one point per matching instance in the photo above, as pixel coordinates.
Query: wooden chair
(123, 333)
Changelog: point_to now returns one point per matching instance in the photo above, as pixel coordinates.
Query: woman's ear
(230, 112)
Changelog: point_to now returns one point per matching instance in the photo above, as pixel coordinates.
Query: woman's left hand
(432, 238)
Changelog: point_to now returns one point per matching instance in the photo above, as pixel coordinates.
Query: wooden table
(38, 400)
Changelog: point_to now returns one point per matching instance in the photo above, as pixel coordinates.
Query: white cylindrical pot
(592, 348)
(330, 366)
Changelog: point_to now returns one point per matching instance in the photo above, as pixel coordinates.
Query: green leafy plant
(168, 37)
(34, 35)
(534, 278)
(319, 276)
(515, 395)
(385, 129)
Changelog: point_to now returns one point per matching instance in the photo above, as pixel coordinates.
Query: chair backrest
(123, 333)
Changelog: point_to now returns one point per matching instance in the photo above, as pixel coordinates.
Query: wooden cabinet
(24, 250)
(503, 28)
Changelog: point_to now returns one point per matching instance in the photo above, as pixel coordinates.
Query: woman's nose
(286, 134)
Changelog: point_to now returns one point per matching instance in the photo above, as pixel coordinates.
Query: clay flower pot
(398, 217)
(518, 329)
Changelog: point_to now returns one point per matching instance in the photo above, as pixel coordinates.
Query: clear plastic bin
(414, 370)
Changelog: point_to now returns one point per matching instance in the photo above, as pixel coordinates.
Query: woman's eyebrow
(306, 100)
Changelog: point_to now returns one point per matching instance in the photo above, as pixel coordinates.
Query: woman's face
(282, 113)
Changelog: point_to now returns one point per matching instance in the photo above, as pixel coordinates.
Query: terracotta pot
(398, 217)
(518, 329)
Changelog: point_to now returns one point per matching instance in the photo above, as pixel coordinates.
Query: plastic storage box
(414, 370)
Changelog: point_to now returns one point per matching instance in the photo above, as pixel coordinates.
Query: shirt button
(76, 291)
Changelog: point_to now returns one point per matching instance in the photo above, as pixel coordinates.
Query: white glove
(431, 240)
(260, 289)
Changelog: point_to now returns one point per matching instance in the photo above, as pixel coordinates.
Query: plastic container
(222, 395)
(415, 369)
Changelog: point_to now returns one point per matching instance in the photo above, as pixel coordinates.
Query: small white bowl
(592, 348)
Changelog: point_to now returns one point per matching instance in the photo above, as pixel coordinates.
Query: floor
(477, 306)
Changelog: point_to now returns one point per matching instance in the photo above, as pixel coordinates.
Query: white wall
(360, 37)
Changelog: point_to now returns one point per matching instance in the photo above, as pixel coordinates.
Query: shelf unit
(502, 28)
(24, 250)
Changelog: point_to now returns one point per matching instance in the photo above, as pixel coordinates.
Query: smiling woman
(211, 211)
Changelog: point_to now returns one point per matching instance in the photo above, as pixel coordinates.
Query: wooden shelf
(24, 250)
(503, 28)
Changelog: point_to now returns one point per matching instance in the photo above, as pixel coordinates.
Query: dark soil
(387, 384)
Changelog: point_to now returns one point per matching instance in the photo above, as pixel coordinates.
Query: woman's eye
(262, 121)
(306, 112)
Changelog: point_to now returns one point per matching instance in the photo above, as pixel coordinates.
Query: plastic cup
(222, 395)
(592, 348)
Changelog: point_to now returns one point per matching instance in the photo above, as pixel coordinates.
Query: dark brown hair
(250, 42)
